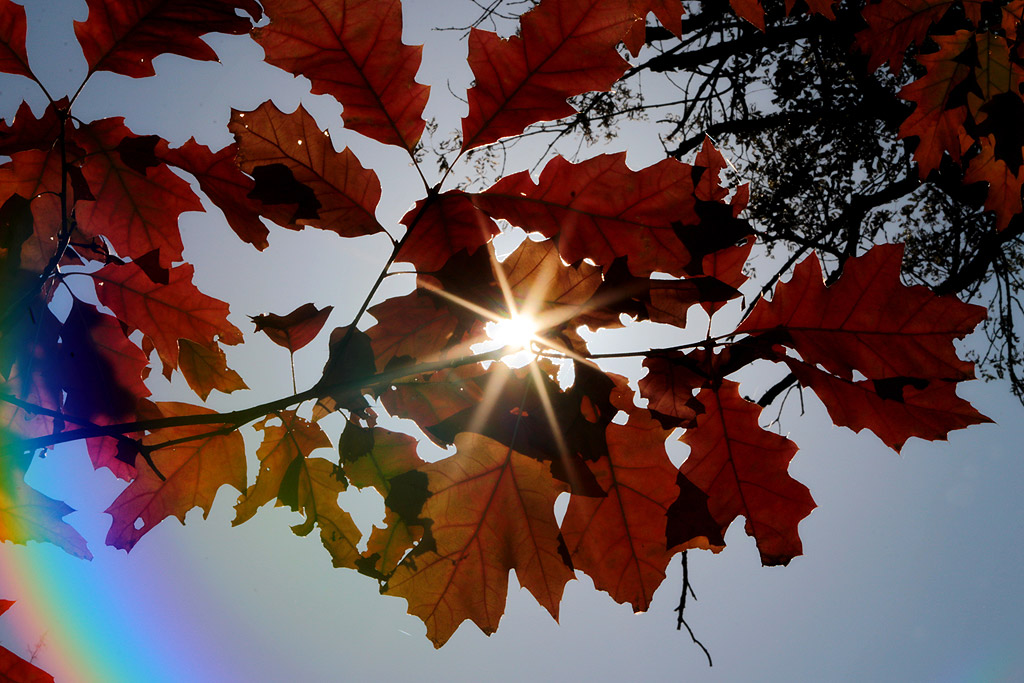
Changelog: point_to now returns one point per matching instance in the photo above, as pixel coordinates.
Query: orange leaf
(353, 51)
(938, 117)
(27, 515)
(751, 10)
(619, 541)
(743, 470)
(868, 320)
(165, 313)
(347, 194)
(295, 330)
(390, 455)
(564, 48)
(194, 471)
(492, 510)
(307, 485)
(124, 36)
(205, 369)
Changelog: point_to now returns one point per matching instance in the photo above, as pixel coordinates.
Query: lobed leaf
(124, 36)
(346, 194)
(743, 470)
(492, 510)
(564, 48)
(194, 471)
(353, 51)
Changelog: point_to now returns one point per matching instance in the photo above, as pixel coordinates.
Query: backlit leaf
(124, 36)
(353, 51)
(743, 470)
(492, 510)
(563, 48)
(194, 471)
(347, 193)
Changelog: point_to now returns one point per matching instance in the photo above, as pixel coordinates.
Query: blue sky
(912, 564)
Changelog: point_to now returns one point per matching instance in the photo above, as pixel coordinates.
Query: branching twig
(680, 620)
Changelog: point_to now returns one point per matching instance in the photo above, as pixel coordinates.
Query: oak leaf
(136, 210)
(492, 510)
(620, 540)
(895, 409)
(205, 368)
(13, 57)
(390, 455)
(564, 48)
(442, 226)
(940, 108)
(226, 186)
(124, 36)
(601, 210)
(193, 472)
(346, 193)
(28, 515)
(868, 320)
(165, 313)
(353, 51)
(307, 485)
(743, 470)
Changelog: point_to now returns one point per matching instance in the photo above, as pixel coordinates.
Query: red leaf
(619, 540)
(205, 369)
(124, 36)
(137, 212)
(412, 327)
(226, 186)
(194, 471)
(895, 26)
(937, 120)
(743, 470)
(894, 409)
(751, 10)
(295, 330)
(442, 227)
(353, 51)
(492, 510)
(601, 210)
(13, 57)
(668, 387)
(869, 321)
(668, 12)
(106, 451)
(28, 132)
(347, 193)
(564, 48)
(35, 175)
(165, 313)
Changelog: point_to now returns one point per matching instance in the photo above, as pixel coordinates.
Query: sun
(517, 332)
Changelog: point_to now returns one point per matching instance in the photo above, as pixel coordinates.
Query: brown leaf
(205, 369)
(295, 330)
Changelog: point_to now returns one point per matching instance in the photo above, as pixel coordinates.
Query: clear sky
(913, 562)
